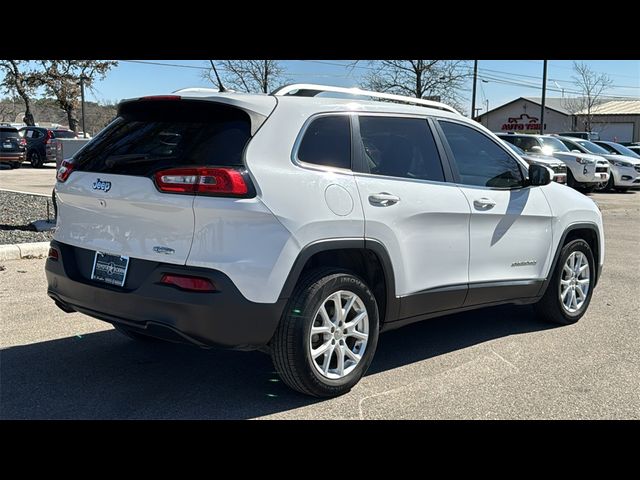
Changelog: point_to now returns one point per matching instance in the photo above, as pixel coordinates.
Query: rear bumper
(12, 156)
(223, 318)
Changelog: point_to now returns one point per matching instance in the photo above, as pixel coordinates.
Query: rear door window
(152, 135)
(400, 147)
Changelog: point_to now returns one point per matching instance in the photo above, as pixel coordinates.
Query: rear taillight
(64, 171)
(203, 181)
(49, 137)
(187, 282)
(23, 142)
(53, 254)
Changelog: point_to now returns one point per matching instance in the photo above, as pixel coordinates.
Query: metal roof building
(614, 120)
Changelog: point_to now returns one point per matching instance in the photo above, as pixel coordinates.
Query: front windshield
(518, 150)
(592, 147)
(622, 150)
(551, 145)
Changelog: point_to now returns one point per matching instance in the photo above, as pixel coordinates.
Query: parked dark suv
(12, 147)
(40, 148)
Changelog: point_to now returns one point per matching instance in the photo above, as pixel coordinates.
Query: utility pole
(544, 97)
(473, 95)
(84, 128)
(487, 111)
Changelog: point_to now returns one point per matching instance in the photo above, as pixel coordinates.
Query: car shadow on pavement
(104, 375)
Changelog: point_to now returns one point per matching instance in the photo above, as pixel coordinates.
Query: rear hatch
(112, 197)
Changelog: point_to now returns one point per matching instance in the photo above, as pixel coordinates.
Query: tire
(587, 188)
(606, 187)
(36, 159)
(138, 337)
(571, 181)
(55, 204)
(550, 308)
(293, 340)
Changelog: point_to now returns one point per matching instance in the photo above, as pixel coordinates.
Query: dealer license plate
(111, 269)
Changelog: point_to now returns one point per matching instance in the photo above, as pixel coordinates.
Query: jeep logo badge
(101, 185)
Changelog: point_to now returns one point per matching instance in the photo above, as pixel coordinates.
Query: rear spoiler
(258, 107)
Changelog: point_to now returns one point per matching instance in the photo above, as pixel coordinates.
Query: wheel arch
(588, 232)
(366, 258)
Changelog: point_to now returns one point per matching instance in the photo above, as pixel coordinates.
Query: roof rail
(311, 90)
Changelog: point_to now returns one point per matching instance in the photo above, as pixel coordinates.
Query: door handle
(383, 199)
(484, 203)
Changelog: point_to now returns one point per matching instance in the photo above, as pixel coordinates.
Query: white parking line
(26, 193)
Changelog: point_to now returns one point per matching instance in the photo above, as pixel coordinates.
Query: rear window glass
(151, 135)
(8, 133)
(63, 134)
(327, 141)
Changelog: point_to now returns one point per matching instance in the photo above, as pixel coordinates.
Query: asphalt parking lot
(498, 363)
(39, 181)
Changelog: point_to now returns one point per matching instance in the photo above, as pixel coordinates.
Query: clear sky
(500, 81)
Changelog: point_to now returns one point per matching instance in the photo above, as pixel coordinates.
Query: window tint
(149, 136)
(327, 141)
(525, 143)
(570, 145)
(8, 133)
(400, 147)
(552, 144)
(481, 161)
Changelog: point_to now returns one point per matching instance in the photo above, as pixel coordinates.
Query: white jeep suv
(304, 225)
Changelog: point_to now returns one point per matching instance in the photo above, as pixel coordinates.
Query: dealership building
(615, 120)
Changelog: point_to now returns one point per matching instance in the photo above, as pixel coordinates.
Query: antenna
(220, 85)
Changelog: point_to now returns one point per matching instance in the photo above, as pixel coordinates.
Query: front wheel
(328, 335)
(569, 292)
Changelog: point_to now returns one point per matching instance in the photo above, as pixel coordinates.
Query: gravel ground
(17, 211)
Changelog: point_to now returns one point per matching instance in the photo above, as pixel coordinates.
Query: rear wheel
(327, 337)
(36, 159)
(569, 292)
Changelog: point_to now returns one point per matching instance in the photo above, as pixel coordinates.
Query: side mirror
(539, 175)
(575, 150)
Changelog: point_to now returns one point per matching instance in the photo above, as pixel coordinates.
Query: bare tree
(592, 86)
(249, 76)
(21, 80)
(61, 79)
(436, 79)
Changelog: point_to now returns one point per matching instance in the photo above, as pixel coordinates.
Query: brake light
(23, 142)
(53, 254)
(202, 180)
(186, 282)
(161, 97)
(64, 171)
(49, 136)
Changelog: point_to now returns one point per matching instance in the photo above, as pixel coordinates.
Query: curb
(24, 250)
